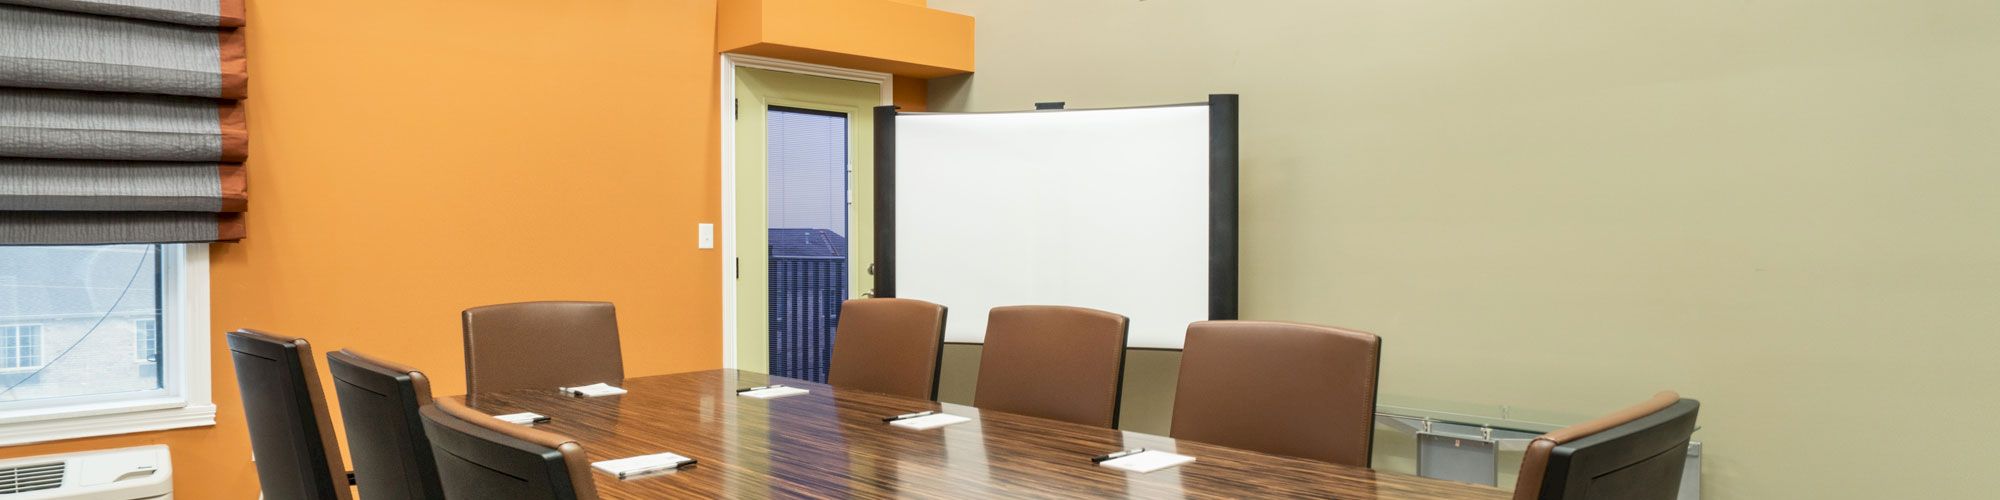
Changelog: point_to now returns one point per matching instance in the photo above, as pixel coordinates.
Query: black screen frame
(1223, 168)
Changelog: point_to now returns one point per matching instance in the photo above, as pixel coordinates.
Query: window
(20, 347)
(146, 345)
(807, 209)
(82, 333)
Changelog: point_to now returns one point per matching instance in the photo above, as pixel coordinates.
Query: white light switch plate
(705, 235)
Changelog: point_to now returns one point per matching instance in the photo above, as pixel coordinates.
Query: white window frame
(41, 358)
(184, 399)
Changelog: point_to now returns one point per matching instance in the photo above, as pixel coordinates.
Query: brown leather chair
(541, 345)
(1282, 388)
(482, 457)
(378, 405)
(1055, 362)
(889, 346)
(1637, 453)
(297, 457)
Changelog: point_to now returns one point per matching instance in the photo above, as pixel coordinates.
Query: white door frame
(727, 108)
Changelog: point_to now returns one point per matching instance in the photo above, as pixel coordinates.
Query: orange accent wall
(889, 36)
(412, 159)
(911, 94)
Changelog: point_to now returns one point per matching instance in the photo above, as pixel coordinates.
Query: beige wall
(1786, 209)
(1145, 405)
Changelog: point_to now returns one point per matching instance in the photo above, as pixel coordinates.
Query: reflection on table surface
(833, 442)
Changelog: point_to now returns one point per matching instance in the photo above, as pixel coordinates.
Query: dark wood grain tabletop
(832, 443)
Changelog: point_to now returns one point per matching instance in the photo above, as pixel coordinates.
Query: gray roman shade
(204, 13)
(54, 49)
(105, 126)
(120, 186)
(120, 121)
(99, 228)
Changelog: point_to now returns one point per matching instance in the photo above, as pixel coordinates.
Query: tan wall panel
(1782, 208)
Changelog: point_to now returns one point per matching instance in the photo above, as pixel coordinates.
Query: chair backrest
(482, 457)
(297, 457)
(1637, 453)
(889, 346)
(378, 405)
(541, 345)
(1282, 388)
(1056, 362)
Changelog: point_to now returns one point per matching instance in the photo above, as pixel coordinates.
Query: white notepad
(1146, 461)
(929, 421)
(592, 390)
(642, 464)
(523, 418)
(773, 393)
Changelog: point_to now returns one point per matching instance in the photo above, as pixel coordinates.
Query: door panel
(757, 91)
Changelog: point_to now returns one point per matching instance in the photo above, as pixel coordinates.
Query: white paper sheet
(774, 393)
(593, 390)
(522, 418)
(642, 464)
(1146, 461)
(929, 421)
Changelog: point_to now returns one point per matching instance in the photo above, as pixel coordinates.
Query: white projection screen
(1130, 210)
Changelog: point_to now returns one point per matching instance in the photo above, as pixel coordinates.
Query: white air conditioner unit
(137, 473)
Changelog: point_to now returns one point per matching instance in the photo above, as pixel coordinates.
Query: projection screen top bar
(1057, 110)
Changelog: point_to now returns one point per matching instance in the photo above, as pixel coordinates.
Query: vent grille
(28, 478)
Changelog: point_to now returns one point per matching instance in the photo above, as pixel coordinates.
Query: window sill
(136, 416)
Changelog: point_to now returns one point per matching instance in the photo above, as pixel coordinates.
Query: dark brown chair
(541, 345)
(1637, 453)
(378, 405)
(1282, 388)
(482, 457)
(1055, 362)
(890, 346)
(290, 434)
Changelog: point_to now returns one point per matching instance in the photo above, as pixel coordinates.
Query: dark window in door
(807, 211)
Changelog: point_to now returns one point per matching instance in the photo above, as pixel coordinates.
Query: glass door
(804, 219)
(806, 208)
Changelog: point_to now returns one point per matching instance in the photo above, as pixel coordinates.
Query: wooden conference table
(832, 443)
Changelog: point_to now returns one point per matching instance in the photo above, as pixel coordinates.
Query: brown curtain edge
(229, 228)
(235, 132)
(234, 65)
(235, 185)
(229, 13)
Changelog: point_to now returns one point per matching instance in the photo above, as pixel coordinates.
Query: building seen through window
(78, 321)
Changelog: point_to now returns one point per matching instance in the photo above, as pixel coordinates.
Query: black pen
(773, 386)
(541, 419)
(908, 415)
(1122, 454)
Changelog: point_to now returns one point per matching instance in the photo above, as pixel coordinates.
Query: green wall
(1784, 208)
